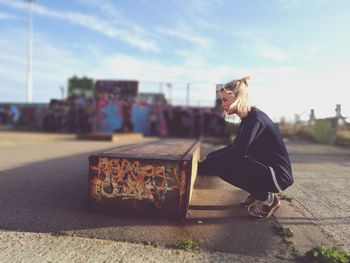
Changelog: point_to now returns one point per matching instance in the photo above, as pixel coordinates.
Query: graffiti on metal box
(131, 179)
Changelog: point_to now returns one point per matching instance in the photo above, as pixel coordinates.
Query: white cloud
(14, 4)
(193, 58)
(52, 66)
(280, 91)
(94, 23)
(104, 27)
(315, 49)
(289, 4)
(11, 58)
(290, 90)
(185, 34)
(261, 48)
(325, 87)
(294, 4)
(6, 16)
(273, 53)
(108, 8)
(255, 41)
(202, 7)
(312, 53)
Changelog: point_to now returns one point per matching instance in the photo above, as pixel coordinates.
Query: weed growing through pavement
(286, 234)
(285, 197)
(61, 234)
(325, 254)
(188, 244)
(283, 231)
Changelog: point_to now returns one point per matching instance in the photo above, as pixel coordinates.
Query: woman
(257, 161)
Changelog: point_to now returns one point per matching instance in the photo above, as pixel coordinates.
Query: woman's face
(226, 101)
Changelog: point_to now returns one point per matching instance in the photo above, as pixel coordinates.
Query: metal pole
(188, 94)
(29, 65)
(161, 87)
(62, 92)
(170, 87)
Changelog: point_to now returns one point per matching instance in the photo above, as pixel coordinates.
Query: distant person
(153, 121)
(14, 114)
(257, 161)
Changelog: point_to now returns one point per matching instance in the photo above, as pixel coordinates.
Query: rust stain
(95, 192)
(182, 182)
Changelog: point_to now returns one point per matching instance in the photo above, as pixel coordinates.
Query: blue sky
(296, 51)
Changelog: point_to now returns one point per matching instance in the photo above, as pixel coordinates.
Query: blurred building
(81, 87)
(152, 98)
(125, 90)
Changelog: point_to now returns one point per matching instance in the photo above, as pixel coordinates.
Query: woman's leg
(209, 165)
(249, 175)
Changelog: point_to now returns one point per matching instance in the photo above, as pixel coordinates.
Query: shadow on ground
(51, 196)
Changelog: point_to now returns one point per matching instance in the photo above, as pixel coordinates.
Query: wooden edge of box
(190, 161)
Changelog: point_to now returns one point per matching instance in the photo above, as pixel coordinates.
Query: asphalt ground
(43, 192)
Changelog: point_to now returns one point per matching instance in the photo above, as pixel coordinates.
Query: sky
(297, 52)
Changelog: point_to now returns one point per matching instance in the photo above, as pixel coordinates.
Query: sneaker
(261, 211)
(248, 201)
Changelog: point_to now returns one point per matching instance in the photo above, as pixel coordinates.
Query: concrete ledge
(153, 178)
(34, 136)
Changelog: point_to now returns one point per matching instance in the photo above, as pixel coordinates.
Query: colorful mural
(140, 117)
(130, 179)
(108, 115)
(325, 130)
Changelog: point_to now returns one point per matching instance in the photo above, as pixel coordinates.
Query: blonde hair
(238, 88)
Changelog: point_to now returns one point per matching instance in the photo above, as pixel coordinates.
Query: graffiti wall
(134, 179)
(120, 116)
(325, 130)
(78, 114)
(108, 115)
(143, 119)
(114, 89)
(22, 116)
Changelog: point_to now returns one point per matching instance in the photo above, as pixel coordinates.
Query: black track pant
(247, 174)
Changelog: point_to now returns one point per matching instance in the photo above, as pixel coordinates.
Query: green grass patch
(61, 234)
(283, 231)
(188, 244)
(285, 197)
(323, 254)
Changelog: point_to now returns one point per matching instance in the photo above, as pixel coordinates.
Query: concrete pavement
(43, 190)
(321, 192)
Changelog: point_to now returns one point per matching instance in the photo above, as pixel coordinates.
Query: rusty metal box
(149, 179)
